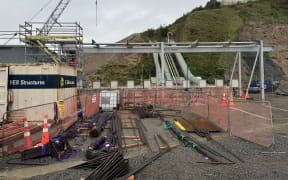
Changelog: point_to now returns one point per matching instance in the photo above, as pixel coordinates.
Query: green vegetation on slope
(214, 23)
(210, 23)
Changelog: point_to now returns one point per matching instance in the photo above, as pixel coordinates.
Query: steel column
(262, 79)
(162, 65)
(240, 73)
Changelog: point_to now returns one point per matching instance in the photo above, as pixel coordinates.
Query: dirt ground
(181, 162)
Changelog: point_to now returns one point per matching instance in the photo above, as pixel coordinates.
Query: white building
(231, 2)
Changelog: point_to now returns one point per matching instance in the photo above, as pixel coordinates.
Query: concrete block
(153, 80)
(235, 83)
(219, 83)
(169, 84)
(203, 83)
(147, 84)
(114, 84)
(186, 84)
(96, 85)
(130, 84)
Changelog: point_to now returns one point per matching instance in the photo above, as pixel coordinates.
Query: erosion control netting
(252, 121)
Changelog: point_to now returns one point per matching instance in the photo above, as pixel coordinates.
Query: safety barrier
(199, 104)
(248, 120)
(252, 121)
(217, 91)
(90, 103)
(12, 132)
(70, 112)
(218, 112)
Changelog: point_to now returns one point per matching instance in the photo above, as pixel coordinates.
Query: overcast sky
(116, 18)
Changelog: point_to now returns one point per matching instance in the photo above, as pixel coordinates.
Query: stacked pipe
(99, 125)
(116, 133)
(114, 166)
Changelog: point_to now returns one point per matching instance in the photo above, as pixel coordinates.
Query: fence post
(228, 112)
(3, 133)
(208, 103)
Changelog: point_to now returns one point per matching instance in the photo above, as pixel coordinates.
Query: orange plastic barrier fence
(70, 112)
(90, 104)
(252, 121)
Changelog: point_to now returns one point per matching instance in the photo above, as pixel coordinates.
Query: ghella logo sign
(62, 82)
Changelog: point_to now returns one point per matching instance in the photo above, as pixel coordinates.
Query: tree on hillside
(212, 4)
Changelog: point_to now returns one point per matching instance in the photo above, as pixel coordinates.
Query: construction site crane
(53, 18)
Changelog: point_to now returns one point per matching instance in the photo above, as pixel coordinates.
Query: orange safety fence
(248, 120)
(218, 112)
(199, 104)
(252, 121)
(90, 103)
(217, 91)
(12, 132)
(70, 112)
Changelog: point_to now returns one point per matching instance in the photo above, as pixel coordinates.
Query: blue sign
(41, 81)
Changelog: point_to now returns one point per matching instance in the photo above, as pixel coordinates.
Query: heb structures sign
(41, 81)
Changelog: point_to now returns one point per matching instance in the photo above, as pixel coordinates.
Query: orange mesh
(252, 121)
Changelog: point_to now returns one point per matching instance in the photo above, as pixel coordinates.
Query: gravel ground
(181, 162)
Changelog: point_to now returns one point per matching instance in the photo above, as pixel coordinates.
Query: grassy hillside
(211, 23)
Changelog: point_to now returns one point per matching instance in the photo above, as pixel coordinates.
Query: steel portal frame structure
(188, 47)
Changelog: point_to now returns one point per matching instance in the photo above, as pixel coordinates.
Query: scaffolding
(52, 44)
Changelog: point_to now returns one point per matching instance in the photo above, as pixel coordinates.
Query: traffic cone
(242, 96)
(231, 102)
(27, 136)
(45, 133)
(224, 100)
(248, 97)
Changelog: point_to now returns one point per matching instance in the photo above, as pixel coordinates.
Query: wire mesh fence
(252, 121)
(12, 128)
(90, 103)
(249, 120)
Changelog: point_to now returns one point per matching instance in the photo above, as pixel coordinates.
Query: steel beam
(170, 49)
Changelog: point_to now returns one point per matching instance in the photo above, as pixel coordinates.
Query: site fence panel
(252, 121)
(199, 104)
(12, 132)
(218, 112)
(218, 91)
(90, 103)
(70, 112)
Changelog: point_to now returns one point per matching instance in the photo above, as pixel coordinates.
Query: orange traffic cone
(243, 95)
(242, 92)
(248, 97)
(231, 102)
(45, 134)
(224, 100)
(27, 136)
